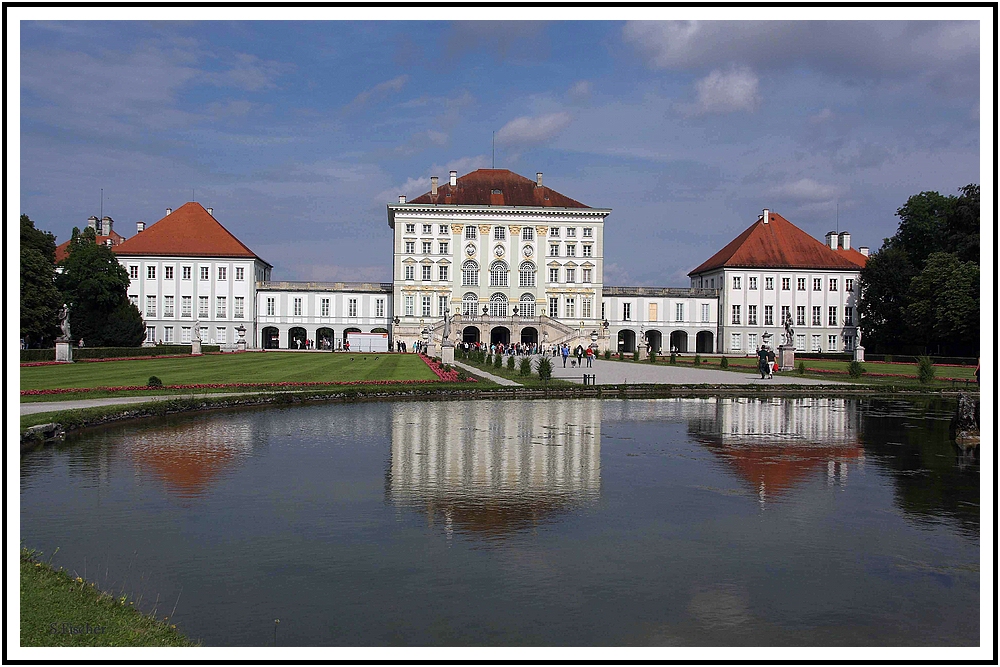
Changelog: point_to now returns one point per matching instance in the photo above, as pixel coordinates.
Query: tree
(884, 281)
(943, 305)
(40, 299)
(95, 286)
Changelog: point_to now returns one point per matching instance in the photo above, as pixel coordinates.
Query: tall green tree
(40, 299)
(884, 284)
(943, 309)
(95, 286)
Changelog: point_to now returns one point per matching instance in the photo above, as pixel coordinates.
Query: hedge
(113, 352)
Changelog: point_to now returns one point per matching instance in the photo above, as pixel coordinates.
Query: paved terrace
(618, 372)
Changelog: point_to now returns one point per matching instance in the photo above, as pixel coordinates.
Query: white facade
(289, 313)
(668, 318)
(174, 293)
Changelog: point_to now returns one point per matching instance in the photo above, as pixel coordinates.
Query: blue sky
(299, 133)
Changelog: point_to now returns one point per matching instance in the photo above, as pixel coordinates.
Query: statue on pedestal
(197, 331)
(789, 331)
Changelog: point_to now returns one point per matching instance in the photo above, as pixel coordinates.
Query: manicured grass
(532, 380)
(61, 610)
(243, 367)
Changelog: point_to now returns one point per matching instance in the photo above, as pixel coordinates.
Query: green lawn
(245, 367)
(62, 610)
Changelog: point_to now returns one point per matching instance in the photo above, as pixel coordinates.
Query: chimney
(434, 185)
(766, 216)
(169, 211)
(831, 240)
(139, 226)
(107, 242)
(402, 199)
(864, 250)
(106, 225)
(209, 209)
(92, 222)
(538, 179)
(453, 177)
(845, 240)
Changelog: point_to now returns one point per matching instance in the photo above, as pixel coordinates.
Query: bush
(673, 358)
(635, 355)
(723, 363)
(526, 367)
(697, 360)
(154, 381)
(462, 375)
(888, 359)
(607, 354)
(497, 361)
(510, 363)
(544, 368)
(802, 368)
(855, 369)
(652, 357)
(925, 369)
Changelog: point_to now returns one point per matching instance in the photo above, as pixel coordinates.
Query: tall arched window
(470, 274)
(527, 306)
(527, 274)
(498, 274)
(470, 305)
(498, 305)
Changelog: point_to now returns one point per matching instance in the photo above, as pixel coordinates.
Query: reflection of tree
(911, 441)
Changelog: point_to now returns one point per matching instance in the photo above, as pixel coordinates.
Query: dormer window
(496, 191)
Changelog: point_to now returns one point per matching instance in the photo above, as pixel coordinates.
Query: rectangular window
(768, 316)
(425, 247)
(848, 343)
(222, 273)
(817, 284)
(220, 335)
(816, 345)
(425, 306)
(554, 250)
(833, 284)
(443, 272)
(751, 341)
(570, 307)
(270, 305)
(133, 271)
(168, 334)
(832, 320)
(553, 275)
(570, 275)
(786, 284)
(800, 284)
(527, 233)
(151, 272)
(150, 306)
(553, 306)
(442, 305)
(586, 307)
(800, 342)
(602, 310)
(626, 311)
(706, 311)
(239, 273)
(185, 306)
(168, 274)
(324, 308)
(588, 250)
(442, 247)
(411, 228)
(554, 232)
(736, 342)
(238, 307)
(817, 314)
(203, 272)
(751, 315)
(134, 299)
(786, 314)
(800, 317)
(442, 229)
(653, 315)
(425, 272)
(769, 283)
(297, 307)
(588, 232)
(185, 334)
(736, 314)
(408, 272)
(571, 232)
(202, 306)
(571, 250)
(588, 275)
(150, 334)
(848, 316)
(168, 306)
(499, 233)
(379, 307)
(849, 284)
(408, 304)
(831, 343)
(352, 307)
(752, 282)
(471, 233)
(185, 273)
(220, 306)
(680, 312)
(203, 333)
(736, 282)
(426, 229)
(409, 247)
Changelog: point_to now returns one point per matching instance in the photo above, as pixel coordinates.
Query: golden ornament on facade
(515, 230)
(456, 229)
(542, 231)
(484, 229)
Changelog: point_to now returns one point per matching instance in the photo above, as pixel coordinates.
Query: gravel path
(489, 376)
(618, 372)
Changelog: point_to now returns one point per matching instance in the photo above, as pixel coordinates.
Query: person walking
(762, 362)
(590, 357)
(770, 363)
(579, 356)
(565, 353)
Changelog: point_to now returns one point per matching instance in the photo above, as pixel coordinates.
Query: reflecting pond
(714, 521)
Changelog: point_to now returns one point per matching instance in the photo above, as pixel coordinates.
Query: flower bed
(230, 385)
(443, 375)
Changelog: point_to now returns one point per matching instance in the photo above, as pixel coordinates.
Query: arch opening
(297, 338)
(269, 338)
(679, 341)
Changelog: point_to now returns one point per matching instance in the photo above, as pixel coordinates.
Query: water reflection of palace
(493, 468)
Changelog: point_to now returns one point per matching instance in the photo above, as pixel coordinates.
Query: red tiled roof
(190, 231)
(780, 244)
(476, 189)
(62, 250)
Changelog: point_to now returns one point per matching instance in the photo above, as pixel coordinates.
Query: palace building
(510, 260)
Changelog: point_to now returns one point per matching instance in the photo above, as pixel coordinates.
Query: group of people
(580, 352)
(504, 349)
(765, 362)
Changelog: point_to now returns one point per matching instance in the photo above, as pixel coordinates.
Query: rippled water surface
(578, 522)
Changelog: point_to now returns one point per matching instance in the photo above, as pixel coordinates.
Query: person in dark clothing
(762, 362)
(770, 363)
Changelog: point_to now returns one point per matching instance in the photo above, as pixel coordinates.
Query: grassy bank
(60, 610)
(225, 368)
(515, 373)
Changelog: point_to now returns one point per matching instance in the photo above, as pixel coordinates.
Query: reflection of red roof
(187, 471)
(780, 244)
(190, 231)
(62, 250)
(477, 189)
(781, 467)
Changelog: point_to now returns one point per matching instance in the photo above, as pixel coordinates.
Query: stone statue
(64, 324)
(789, 331)
(447, 325)
(197, 331)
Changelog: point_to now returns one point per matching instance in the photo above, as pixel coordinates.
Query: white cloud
(736, 89)
(580, 90)
(379, 90)
(806, 189)
(533, 130)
